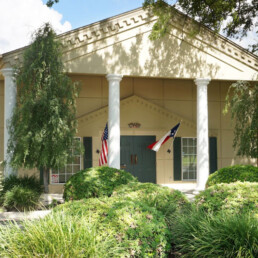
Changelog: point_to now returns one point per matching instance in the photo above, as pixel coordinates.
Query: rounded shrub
(164, 199)
(21, 198)
(232, 174)
(239, 197)
(95, 182)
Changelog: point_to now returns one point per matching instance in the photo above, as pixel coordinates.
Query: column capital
(202, 81)
(7, 72)
(114, 77)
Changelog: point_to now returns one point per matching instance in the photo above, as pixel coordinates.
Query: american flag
(104, 149)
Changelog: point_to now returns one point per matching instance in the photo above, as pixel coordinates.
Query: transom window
(61, 176)
(189, 161)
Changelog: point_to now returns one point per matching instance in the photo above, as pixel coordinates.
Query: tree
(236, 17)
(51, 2)
(242, 101)
(43, 123)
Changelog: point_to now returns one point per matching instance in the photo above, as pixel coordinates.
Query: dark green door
(137, 159)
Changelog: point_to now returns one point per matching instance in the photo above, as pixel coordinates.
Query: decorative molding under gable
(151, 107)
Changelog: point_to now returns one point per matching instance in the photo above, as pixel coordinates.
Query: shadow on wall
(138, 56)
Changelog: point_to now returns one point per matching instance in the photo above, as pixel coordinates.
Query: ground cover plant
(235, 198)
(94, 227)
(20, 193)
(234, 173)
(164, 199)
(95, 182)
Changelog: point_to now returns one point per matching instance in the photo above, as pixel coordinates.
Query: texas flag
(172, 133)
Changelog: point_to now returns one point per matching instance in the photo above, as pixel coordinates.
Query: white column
(114, 120)
(202, 133)
(9, 104)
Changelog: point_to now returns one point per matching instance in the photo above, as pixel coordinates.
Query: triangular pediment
(135, 109)
(121, 45)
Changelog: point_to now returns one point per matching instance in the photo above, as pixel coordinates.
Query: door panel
(139, 160)
(126, 150)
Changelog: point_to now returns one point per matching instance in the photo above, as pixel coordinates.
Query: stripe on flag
(103, 159)
(172, 133)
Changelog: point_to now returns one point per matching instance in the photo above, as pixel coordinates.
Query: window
(60, 176)
(189, 155)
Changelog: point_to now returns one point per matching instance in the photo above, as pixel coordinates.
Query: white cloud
(20, 18)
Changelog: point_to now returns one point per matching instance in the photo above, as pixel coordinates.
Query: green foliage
(233, 198)
(232, 174)
(235, 17)
(163, 199)
(139, 230)
(200, 234)
(25, 181)
(104, 227)
(21, 198)
(95, 182)
(1, 176)
(57, 235)
(51, 2)
(43, 123)
(241, 100)
(20, 193)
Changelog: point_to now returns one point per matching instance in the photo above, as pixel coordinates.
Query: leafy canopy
(43, 123)
(242, 104)
(235, 17)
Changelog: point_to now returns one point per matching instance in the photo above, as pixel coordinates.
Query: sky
(20, 18)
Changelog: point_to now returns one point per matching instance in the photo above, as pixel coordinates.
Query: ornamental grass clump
(201, 234)
(232, 174)
(239, 197)
(21, 198)
(95, 182)
(57, 235)
(20, 193)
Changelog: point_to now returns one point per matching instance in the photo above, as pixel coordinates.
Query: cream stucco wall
(157, 104)
(176, 96)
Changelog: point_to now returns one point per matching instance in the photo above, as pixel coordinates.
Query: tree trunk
(45, 179)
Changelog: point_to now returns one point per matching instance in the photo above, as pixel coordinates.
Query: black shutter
(87, 143)
(177, 159)
(213, 154)
(41, 176)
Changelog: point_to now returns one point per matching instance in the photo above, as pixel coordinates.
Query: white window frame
(80, 139)
(182, 174)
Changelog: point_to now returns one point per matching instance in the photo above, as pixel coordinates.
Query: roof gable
(121, 45)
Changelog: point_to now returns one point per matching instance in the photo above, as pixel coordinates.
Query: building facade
(143, 88)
